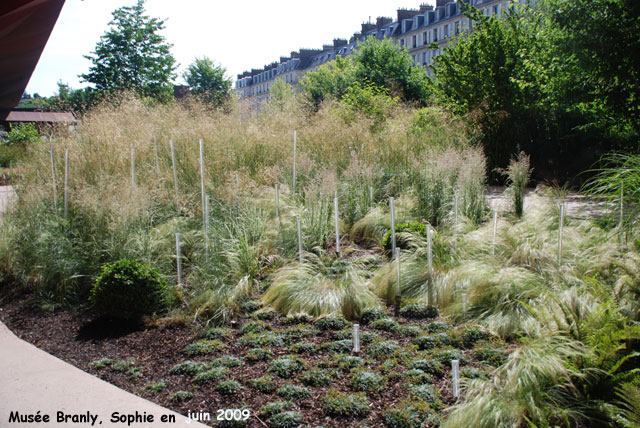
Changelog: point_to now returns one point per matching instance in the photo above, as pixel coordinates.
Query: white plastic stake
(371, 194)
(393, 225)
(155, 151)
(173, 166)
(335, 210)
(278, 202)
(133, 167)
(54, 181)
(202, 175)
(430, 249)
(299, 239)
(464, 304)
(560, 230)
(455, 373)
(295, 142)
(179, 259)
(621, 215)
(430, 265)
(66, 183)
(495, 229)
(398, 289)
(206, 225)
(356, 338)
(455, 224)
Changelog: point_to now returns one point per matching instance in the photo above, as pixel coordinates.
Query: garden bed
(143, 361)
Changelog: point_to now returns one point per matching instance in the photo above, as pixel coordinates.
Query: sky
(236, 35)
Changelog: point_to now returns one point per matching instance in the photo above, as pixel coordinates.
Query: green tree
(495, 76)
(282, 95)
(132, 55)
(388, 66)
(331, 80)
(208, 81)
(597, 44)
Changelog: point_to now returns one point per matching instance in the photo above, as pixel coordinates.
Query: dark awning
(25, 26)
(36, 116)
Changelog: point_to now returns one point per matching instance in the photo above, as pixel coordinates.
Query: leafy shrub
(386, 324)
(406, 415)
(437, 327)
(293, 391)
(299, 331)
(181, 396)
(101, 363)
(251, 306)
(256, 340)
(287, 419)
(331, 322)
(493, 356)
(428, 394)
(473, 335)
(410, 330)
(428, 366)
(417, 376)
(303, 348)
(258, 354)
(366, 381)
(418, 311)
(371, 315)
(204, 347)
(285, 367)
(274, 407)
(189, 368)
(316, 378)
(266, 315)
(384, 348)
(229, 387)
(339, 346)
(218, 333)
(348, 362)
(425, 343)
(255, 327)
(445, 356)
(21, 135)
(155, 387)
(212, 375)
(336, 403)
(128, 289)
(413, 228)
(227, 361)
(298, 319)
(263, 384)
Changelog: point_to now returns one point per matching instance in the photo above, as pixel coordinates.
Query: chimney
(327, 48)
(367, 26)
(382, 21)
(425, 8)
(295, 54)
(407, 13)
(338, 43)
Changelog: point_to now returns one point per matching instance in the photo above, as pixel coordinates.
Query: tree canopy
(132, 55)
(208, 81)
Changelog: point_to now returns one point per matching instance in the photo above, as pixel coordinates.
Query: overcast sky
(239, 35)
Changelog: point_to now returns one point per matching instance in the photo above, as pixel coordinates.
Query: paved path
(33, 381)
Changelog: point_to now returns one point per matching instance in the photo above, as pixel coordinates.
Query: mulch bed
(79, 338)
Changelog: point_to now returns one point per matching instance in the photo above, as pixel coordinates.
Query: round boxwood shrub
(414, 228)
(129, 289)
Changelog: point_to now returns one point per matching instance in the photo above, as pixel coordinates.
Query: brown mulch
(79, 338)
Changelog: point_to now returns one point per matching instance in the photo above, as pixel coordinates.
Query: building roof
(36, 116)
(25, 26)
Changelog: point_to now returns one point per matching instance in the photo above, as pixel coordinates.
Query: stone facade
(414, 29)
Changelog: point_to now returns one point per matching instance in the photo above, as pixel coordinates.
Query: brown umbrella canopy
(25, 26)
